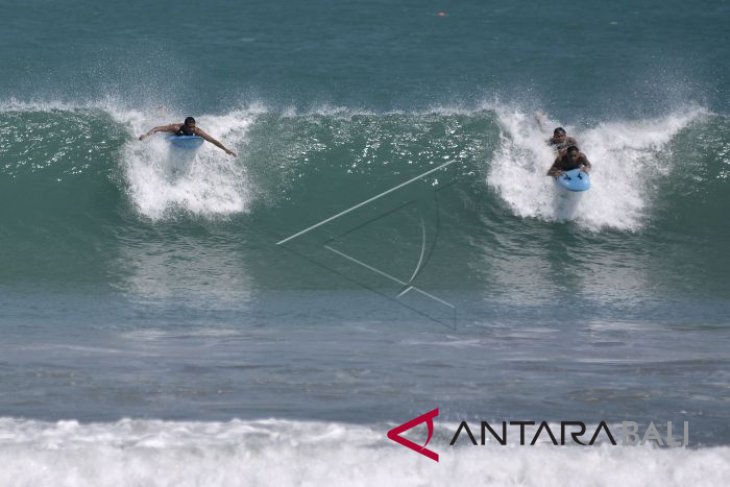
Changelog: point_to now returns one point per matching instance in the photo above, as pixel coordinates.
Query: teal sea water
(386, 241)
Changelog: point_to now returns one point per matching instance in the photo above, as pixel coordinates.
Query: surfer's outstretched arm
(173, 127)
(215, 142)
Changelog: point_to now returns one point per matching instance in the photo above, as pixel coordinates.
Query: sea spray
(208, 183)
(628, 157)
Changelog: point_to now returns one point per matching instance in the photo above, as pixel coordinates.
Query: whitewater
(276, 452)
(192, 255)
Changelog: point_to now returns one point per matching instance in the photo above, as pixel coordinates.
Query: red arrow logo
(395, 434)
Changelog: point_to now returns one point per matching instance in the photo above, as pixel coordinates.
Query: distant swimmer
(560, 140)
(571, 159)
(188, 128)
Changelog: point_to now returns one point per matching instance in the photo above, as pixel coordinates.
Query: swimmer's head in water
(559, 133)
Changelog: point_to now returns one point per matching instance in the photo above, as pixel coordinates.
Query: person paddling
(188, 128)
(573, 158)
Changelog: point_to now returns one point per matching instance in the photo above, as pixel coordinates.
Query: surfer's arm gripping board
(558, 166)
(556, 169)
(585, 164)
(554, 172)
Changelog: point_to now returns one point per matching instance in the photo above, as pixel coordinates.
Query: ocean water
(385, 243)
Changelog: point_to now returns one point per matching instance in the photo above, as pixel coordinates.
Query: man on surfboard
(571, 159)
(188, 127)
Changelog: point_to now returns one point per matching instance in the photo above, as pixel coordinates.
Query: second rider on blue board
(188, 127)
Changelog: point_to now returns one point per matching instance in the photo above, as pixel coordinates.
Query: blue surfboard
(185, 142)
(574, 180)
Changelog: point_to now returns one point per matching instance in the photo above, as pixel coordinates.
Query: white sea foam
(284, 453)
(627, 162)
(161, 182)
(629, 158)
(207, 183)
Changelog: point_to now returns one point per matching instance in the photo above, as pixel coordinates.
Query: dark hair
(572, 148)
(189, 120)
(559, 130)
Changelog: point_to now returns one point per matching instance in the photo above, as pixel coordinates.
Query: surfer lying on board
(187, 128)
(573, 158)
